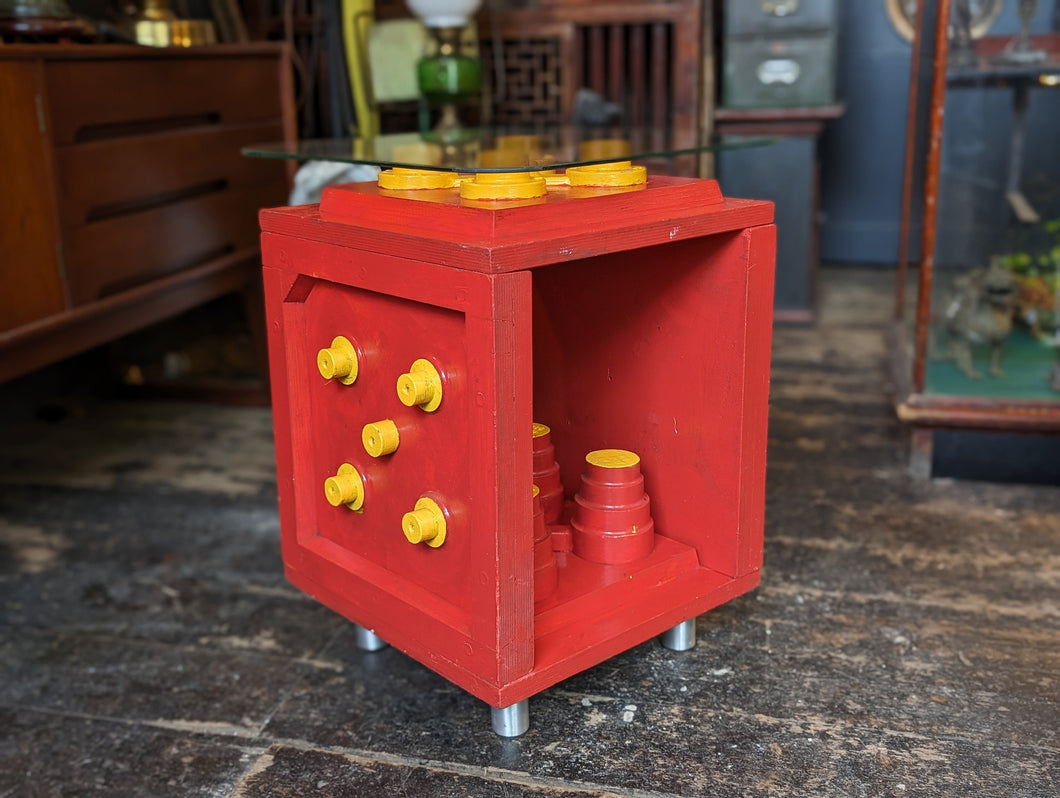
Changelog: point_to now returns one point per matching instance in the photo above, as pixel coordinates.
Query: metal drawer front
(783, 17)
(779, 73)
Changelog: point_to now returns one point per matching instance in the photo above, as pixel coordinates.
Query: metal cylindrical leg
(367, 640)
(681, 637)
(511, 721)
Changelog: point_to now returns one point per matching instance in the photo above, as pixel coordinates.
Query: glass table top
(484, 150)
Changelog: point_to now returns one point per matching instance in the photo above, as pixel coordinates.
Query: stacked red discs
(612, 514)
(546, 572)
(546, 473)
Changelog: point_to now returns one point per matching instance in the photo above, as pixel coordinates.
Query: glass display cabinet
(976, 340)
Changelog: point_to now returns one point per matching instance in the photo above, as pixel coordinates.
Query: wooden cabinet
(126, 199)
(654, 59)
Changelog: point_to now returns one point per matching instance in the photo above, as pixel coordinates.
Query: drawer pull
(779, 8)
(784, 71)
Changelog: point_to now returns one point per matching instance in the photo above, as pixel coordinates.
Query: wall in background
(862, 153)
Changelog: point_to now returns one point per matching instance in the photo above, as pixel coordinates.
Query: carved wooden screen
(533, 88)
(649, 57)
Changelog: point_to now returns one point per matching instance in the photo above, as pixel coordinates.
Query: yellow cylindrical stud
(346, 487)
(612, 458)
(503, 186)
(421, 386)
(380, 438)
(415, 388)
(608, 175)
(425, 524)
(400, 179)
(338, 361)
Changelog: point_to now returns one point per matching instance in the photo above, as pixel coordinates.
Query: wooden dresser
(125, 199)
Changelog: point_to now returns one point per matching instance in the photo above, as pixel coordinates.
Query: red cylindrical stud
(546, 572)
(612, 513)
(546, 473)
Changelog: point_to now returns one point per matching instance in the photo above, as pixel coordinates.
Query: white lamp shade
(444, 13)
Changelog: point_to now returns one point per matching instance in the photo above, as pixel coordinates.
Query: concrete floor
(905, 640)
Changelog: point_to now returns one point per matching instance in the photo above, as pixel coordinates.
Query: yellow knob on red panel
(425, 524)
(346, 487)
(338, 361)
(421, 386)
(380, 438)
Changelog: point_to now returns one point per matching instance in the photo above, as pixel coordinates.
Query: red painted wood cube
(414, 341)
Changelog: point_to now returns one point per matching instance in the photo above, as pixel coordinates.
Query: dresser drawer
(150, 177)
(110, 98)
(749, 17)
(780, 72)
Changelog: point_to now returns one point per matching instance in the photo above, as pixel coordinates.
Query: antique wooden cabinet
(125, 198)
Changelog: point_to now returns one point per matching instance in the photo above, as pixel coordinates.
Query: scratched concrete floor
(905, 640)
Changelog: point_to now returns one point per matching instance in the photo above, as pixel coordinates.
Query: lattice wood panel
(532, 91)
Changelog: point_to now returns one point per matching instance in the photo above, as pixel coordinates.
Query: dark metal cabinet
(779, 53)
(786, 172)
(780, 73)
(778, 17)
(783, 172)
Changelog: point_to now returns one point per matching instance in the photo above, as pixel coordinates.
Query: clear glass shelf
(475, 150)
(997, 61)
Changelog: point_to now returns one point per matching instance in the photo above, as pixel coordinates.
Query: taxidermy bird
(979, 310)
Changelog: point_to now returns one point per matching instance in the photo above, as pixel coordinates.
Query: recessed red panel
(390, 334)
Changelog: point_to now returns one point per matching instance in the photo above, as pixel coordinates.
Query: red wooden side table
(426, 352)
